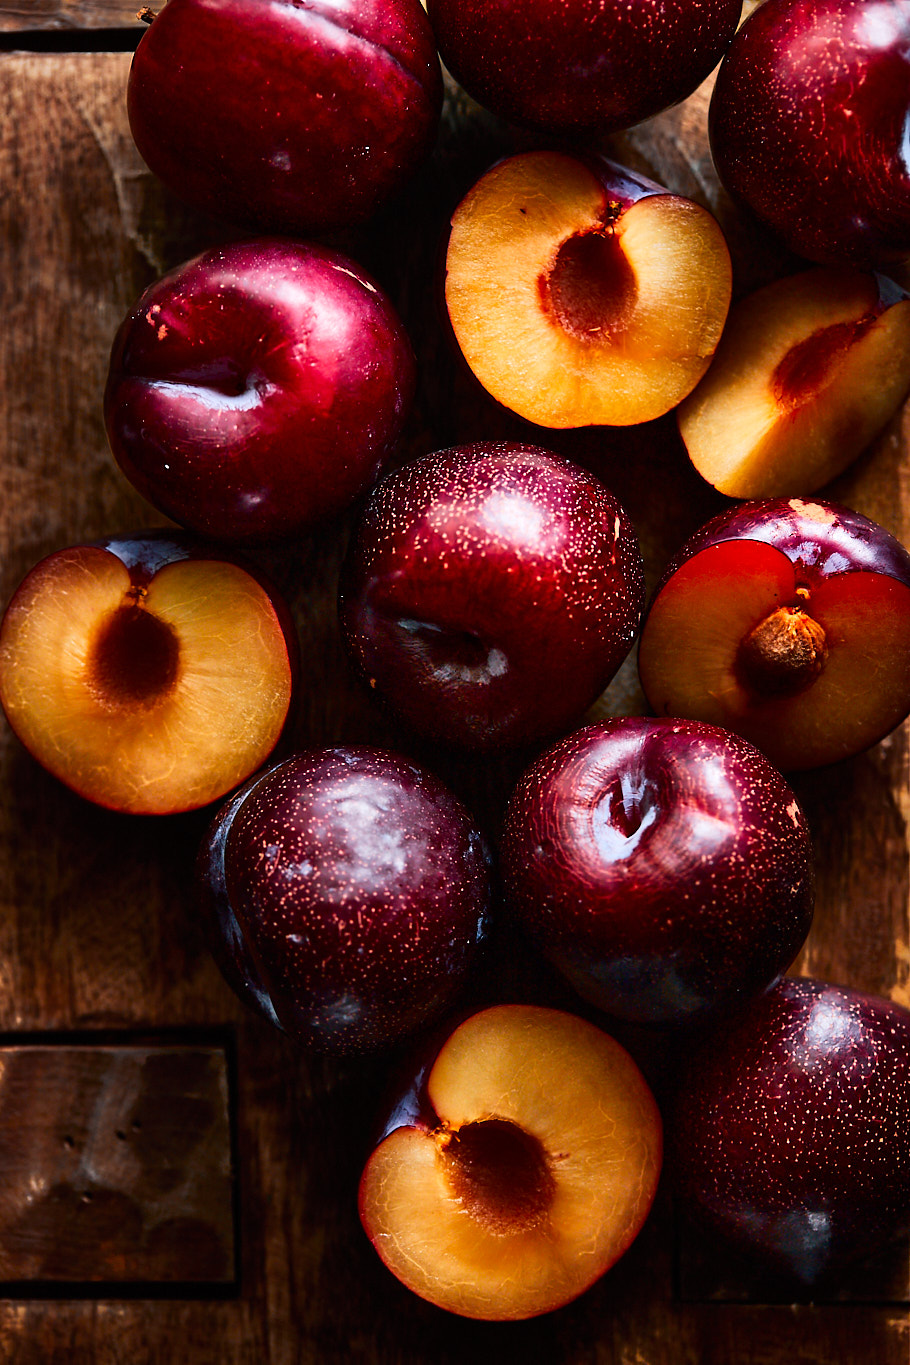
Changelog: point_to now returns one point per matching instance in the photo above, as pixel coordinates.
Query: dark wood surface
(96, 925)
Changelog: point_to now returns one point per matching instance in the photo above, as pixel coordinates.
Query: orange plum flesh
(582, 298)
(533, 1178)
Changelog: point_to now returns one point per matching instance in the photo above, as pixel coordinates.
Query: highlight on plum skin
(520, 1169)
(151, 673)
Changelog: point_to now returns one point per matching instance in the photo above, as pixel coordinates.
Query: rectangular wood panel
(117, 1166)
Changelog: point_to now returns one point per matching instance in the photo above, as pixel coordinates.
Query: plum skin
(346, 894)
(791, 1128)
(490, 593)
(807, 126)
(581, 66)
(664, 866)
(257, 388)
(284, 118)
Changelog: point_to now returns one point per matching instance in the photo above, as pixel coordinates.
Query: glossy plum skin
(255, 390)
(581, 65)
(808, 122)
(346, 894)
(791, 1128)
(824, 539)
(665, 867)
(284, 117)
(490, 593)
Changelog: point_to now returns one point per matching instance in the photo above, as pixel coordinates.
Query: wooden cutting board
(176, 1183)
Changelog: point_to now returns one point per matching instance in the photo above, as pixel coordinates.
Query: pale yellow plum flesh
(808, 371)
(573, 309)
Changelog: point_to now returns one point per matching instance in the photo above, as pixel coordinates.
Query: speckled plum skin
(286, 117)
(255, 390)
(808, 126)
(791, 1129)
(665, 867)
(824, 539)
(581, 65)
(346, 894)
(490, 593)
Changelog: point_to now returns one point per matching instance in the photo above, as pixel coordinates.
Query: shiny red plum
(346, 894)
(490, 593)
(255, 390)
(665, 867)
(581, 65)
(791, 1130)
(809, 126)
(286, 117)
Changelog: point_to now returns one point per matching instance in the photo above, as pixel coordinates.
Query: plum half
(787, 621)
(520, 1170)
(151, 673)
(583, 294)
(808, 371)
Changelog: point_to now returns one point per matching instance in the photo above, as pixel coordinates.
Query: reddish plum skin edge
(808, 126)
(822, 537)
(791, 1128)
(490, 593)
(665, 867)
(327, 113)
(256, 390)
(346, 894)
(591, 65)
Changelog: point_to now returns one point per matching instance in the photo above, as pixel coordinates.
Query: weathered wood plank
(38, 16)
(117, 1165)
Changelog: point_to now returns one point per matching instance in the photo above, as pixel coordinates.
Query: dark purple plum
(809, 123)
(490, 593)
(346, 893)
(791, 1128)
(255, 390)
(665, 867)
(286, 117)
(582, 65)
(788, 621)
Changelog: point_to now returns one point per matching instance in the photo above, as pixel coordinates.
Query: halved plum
(788, 622)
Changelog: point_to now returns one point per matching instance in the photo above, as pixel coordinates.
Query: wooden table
(176, 1183)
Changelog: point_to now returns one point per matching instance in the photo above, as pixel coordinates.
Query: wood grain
(117, 1166)
(96, 923)
(41, 16)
